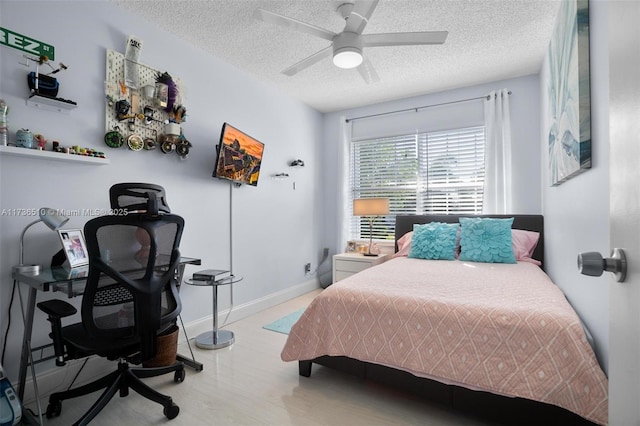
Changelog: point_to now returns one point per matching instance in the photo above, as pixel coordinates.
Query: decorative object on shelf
(161, 95)
(4, 126)
(178, 115)
(54, 220)
(183, 147)
(114, 138)
(122, 109)
(148, 113)
(135, 142)
(351, 246)
(132, 54)
(24, 138)
(171, 90)
(297, 163)
(370, 208)
(44, 85)
(40, 141)
(149, 91)
(149, 144)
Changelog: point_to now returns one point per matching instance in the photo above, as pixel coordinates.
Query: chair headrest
(139, 197)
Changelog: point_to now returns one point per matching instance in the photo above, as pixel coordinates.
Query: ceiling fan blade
(367, 72)
(307, 62)
(359, 17)
(404, 39)
(294, 24)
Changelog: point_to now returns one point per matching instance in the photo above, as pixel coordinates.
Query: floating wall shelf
(50, 155)
(49, 104)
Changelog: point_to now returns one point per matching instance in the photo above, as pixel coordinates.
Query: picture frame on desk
(74, 246)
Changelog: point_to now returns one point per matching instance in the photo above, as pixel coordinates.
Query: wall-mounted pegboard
(138, 99)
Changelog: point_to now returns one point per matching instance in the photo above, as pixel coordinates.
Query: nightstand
(347, 264)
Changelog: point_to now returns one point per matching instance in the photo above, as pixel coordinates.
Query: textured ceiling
(488, 40)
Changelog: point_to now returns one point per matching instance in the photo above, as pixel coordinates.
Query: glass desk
(72, 283)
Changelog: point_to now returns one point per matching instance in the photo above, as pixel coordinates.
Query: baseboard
(54, 379)
(239, 312)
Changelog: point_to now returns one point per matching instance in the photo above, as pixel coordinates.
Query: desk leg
(26, 341)
(215, 339)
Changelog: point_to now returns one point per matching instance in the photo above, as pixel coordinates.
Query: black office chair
(129, 299)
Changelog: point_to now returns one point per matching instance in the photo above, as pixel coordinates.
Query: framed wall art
(568, 91)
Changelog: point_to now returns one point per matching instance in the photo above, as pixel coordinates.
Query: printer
(10, 409)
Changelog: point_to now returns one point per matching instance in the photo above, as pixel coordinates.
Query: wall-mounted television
(239, 156)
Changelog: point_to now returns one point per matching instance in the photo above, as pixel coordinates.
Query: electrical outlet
(307, 268)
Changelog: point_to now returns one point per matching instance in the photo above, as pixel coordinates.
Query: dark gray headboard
(528, 222)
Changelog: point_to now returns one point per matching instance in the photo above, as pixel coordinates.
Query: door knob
(593, 264)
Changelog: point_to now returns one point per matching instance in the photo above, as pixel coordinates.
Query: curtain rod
(416, 109)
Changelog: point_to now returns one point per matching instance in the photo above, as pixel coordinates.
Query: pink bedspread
(501, 328)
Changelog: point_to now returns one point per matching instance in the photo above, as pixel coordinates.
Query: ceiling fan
(346, 47)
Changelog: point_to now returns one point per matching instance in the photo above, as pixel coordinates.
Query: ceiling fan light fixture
(347, 50)
(347, 57)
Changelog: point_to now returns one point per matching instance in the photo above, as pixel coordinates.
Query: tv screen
(239, 156)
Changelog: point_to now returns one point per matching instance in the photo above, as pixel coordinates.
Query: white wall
(273, 215)
(525, 116)
(577, 211)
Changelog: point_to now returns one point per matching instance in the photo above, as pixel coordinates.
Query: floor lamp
(54, 221)
(370, 208)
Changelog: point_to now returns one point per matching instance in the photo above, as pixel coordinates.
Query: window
(433, 172)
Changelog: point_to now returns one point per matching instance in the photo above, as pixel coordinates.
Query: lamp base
(27, 269)
(370, 254)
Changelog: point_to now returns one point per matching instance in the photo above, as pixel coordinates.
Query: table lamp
(54, 221)
(370, 207)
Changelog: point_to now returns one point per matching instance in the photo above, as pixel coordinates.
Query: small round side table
(215, 339)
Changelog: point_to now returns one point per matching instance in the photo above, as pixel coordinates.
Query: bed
(495, 339)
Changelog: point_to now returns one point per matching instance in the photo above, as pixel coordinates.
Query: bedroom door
(624, 184)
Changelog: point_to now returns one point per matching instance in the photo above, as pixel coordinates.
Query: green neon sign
(26, 44)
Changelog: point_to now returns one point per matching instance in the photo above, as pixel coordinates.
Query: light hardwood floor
(248, 384)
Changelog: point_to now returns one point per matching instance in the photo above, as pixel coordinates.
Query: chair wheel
(54, 409)
(179, 375)
(172, 411)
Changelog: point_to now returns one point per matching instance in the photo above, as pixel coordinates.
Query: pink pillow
(523, 243)
(404, 244)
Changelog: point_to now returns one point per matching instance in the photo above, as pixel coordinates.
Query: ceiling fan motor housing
(347, 50)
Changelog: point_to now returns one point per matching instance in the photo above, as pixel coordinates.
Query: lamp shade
(54, 221)
(52, 218)
(370, 206)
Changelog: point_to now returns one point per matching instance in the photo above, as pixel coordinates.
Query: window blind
(429, 172)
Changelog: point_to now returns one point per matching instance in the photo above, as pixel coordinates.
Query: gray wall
(276, 228)
(577, 211)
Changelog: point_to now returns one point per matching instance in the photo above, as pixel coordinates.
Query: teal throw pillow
(486, 240)
(434, 241)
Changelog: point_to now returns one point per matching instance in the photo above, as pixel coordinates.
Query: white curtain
(497, 179)
(344, 211)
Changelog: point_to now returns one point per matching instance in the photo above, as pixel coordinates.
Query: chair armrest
(56, 310)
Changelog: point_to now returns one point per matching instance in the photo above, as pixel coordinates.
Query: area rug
(284, 324)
